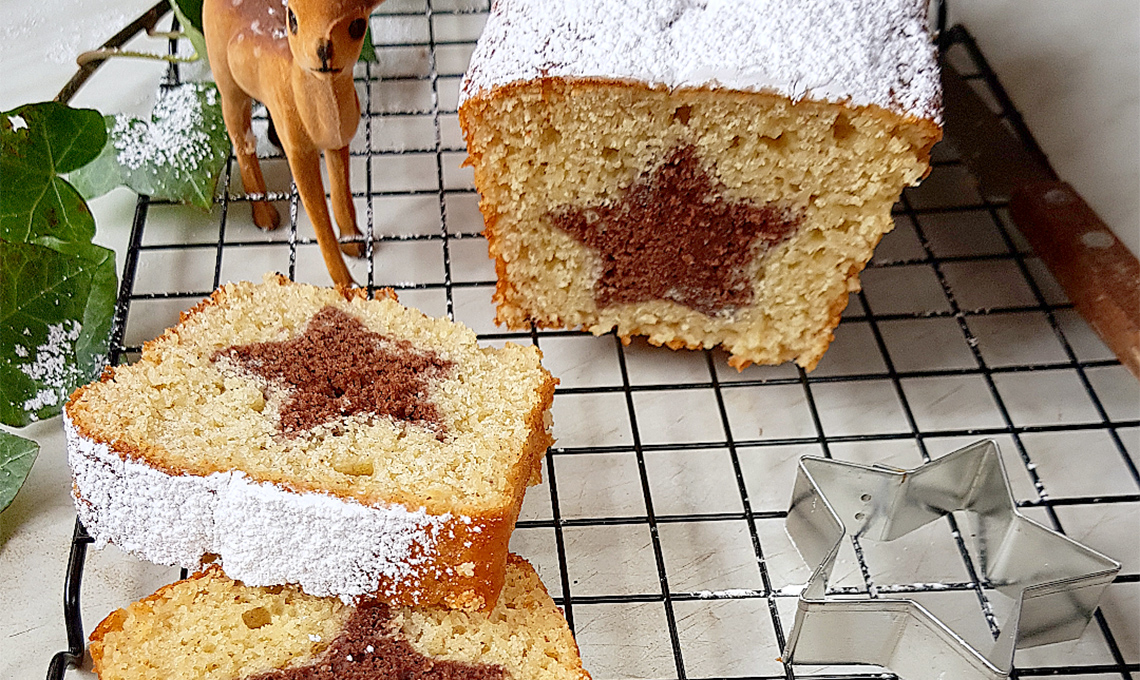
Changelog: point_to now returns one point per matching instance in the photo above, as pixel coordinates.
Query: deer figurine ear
(369, 5)
(346, 7)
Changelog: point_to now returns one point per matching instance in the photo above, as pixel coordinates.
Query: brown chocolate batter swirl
(368, 649)
(673, 237)
(338, 368)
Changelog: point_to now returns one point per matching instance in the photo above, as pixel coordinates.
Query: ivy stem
(147, 20)
(167, 35)
(105, 53)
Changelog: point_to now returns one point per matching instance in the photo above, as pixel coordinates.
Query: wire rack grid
(659, 526)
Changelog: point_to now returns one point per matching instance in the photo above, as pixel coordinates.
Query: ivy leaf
(38, 142)
(56, 307)
(368, 50)
(16, 457)
(57, 290)
(189, 13)
(103, 173)
(178, 155)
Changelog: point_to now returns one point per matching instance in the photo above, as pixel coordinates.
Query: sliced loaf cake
(296, 434)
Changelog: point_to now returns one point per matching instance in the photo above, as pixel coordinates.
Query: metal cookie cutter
(1055, 582)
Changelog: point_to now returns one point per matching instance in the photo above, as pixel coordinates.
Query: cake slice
(700, 173)
(296, 434)
(209, 627)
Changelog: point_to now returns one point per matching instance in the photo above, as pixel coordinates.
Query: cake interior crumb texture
(188, 408)
(549, 137)
(209, 627)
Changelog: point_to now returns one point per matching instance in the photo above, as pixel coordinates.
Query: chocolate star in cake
(337, 368)
(673, 236)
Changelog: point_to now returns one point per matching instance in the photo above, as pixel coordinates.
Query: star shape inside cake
(337, 368)
(674, 236)
(1054, 582)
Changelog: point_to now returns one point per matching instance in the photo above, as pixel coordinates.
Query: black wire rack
(659, 527)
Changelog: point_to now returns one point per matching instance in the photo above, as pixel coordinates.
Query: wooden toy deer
(296, 57)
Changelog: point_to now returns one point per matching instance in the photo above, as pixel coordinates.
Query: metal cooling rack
(694, 631)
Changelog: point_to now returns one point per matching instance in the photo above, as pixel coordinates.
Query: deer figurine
(296, 57)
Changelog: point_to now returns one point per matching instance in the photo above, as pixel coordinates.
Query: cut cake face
(712, 173)
(209, 627)
(314, 436)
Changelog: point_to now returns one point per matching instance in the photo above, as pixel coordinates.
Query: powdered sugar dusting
(74, 26)
(262, 533)
(164, 519)
(53, 366)
(863, 51)
(329, 547)
(729, 593)
(175, 138)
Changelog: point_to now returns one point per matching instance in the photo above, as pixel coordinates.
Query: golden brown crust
(521, 563)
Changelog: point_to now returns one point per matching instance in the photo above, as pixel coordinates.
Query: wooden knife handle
(1099, 274)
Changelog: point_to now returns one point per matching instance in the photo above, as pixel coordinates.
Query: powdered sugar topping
(729, 593)
(863, 51)
(175, 138)
(262, 534)
(53, 366)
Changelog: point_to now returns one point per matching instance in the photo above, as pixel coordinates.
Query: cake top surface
(864, 51)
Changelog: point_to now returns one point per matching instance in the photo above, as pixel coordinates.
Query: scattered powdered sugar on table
(729, 593)
(866, 51)
(175, 137)
(930, 586)
(75, 26)
(53, 365)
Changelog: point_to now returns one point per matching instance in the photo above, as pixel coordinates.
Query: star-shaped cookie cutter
(1054, 582)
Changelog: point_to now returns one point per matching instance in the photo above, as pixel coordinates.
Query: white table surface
(1085, 114)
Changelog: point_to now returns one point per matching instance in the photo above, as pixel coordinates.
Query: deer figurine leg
(305, 163)
(340, 192)
(236, 112)
(297, 58)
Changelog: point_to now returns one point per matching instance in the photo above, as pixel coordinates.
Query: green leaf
(38, 142)
(55, 316)
(16, 458)
(189, 13)
(178, 155)
(102, 174)
(368, 50)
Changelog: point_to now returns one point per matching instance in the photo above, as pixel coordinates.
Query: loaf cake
(702, 173)
(209, 627)
(295, 434)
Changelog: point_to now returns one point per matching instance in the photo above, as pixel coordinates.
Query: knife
(1099, 274)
